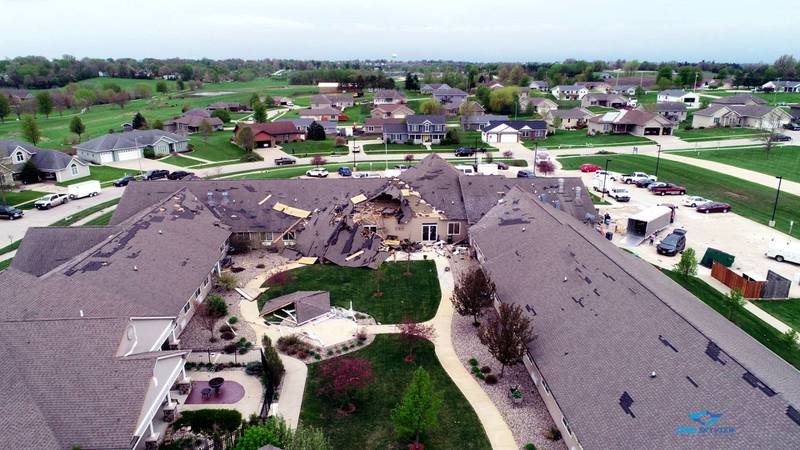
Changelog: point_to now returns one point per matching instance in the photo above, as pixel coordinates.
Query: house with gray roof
(478, 121)
(52, 164)
(690, 99)
(674, 111)
(450, 98)
(631, 121)
(763, 117)
(388, 97)
(615, 101)
(511, 131)
(739, 99)
(623, 356)
(570, 118)
(130, 145)
(302, 124)
(191, 122)
(781, 86)
(428, 88)
(418, 128)
(339, 102)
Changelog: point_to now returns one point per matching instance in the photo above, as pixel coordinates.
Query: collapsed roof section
(308, 305)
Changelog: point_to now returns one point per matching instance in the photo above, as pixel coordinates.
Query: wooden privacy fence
(749, 288)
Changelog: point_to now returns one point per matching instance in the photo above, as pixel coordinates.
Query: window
(74, 169)
(453, 228)
(197, 293)
(371, 228)
(205, 282)
(19, 156)
(566, 425)
(187, 306)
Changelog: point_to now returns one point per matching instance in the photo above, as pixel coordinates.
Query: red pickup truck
(668, 188)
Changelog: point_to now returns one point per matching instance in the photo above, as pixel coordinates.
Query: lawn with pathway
(716, 134)
(20, 199)
(787, 311)
(748, 199)
(780, 161)
(370, 426)
(415, 297)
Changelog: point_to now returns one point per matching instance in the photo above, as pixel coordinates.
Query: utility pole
(605, 175)
(775, 206)
(658, 159)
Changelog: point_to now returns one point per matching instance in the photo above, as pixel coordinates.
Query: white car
(317, 172)
(608, 175)
(694, 201)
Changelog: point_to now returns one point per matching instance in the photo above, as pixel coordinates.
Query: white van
(783, 250)
(85, 189)
(597, 184)
(488, 169)
(466, 170)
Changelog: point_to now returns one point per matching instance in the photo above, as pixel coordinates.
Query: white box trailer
(487, 169)
(84, 189)
(783, 250)
(647, 222)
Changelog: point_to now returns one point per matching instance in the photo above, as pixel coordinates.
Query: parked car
(402, 167)
(668, 188)
(589, 168)
(710, 207)
(179, 174)
(654, 185)
(366, 175)
(502, 166)
(10, 213)
(120, 182)
(465, 151)
(345, 171)
(634, 177)
(51, 200)
(792, 126)
(156, 174)
(525, 173)
(619, 194)
(317, 172)
(780, 138)
(694, 200)
(284, 161)
(644, 183)
(671, 245)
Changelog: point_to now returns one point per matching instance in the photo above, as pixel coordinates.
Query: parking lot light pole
(658, 158)
(354, 153)
(605, 175)
(775, 206)
(535, 154)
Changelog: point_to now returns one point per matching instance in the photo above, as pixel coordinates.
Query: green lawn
(103, 174)
(787, 311)
(393, 148)
(5, 263)
(357, 114)
(600, 109)
(14, 198)
(10, 247)
(780, 161)
(748, 199)
(216, 148)
(416, 296)
(752, 325)
(370, 426)
(579, 138)
(305, 148)
(100, 220)
(86, 212)
(715, 134)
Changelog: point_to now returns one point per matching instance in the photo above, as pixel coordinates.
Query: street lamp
(658, 158)
(535, 155)
(354, 153)
(605, 175)
(775, 206)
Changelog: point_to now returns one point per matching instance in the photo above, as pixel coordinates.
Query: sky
(464, 30)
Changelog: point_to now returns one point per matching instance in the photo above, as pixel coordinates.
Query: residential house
(478, 121)
(625, 89)
(271, 134)
(605, 100)
(302, 124)
(325, 113)
(52, 164)
(450, 98)
(631, 121)
(669, 373)
(762, 117)
(674, 111)
(598, 87)
(428, 88)
(17, 96)
(283, 101)
(493, 85)
(540, 105)
(229, 106)
(569, 92)
(513, 131)
(739, 99)
(328, 87)
(418, 128)
(339, 102)
(781, 86)
(391, 111)
(374, 126)
(191, 121)
(388, 97)
(106, 306)
(794, 111)
(571, 119)
(538, 85)
(690, 99)
(130, 145)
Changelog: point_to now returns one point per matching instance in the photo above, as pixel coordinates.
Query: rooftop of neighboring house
(538, 83)
(519, 125)
(383, 121)
(434, 119)
(330, 99)
(536, 100)
(271, 128)
(741, 110)
(626, 352)
(44, 159)
(128, 140)
(226, 105)
(629, 117)
(606, 97)
(574, 113)
(435, 86)
(664, 107)
(785, 83)
(305, 122)
(307, 304)
(321, 111)
(195, 121)
(197, 112)
(482, 118)
(448, 91)
(672, 93)
(739, 99)
(391, 107)
(389, 93)
(570, 87)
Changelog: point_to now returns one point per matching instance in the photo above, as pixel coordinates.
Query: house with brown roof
(388, 97)
(191, 121)
(674, 111)
(570, 118)
(339, 102)
(375, 126)
(271, 134)
(630, 121)
(228, 106)
(322, 113)
(391, 111)
(615, 101)
(762, 117)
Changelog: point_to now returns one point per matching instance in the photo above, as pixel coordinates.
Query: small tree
(409, 157)
(790, 338)
(29, 173)
(254, 100)
(30, 130)
(687, 265)
(139, 122)
(161, 87)
(546, 167)
(205, 130)
(273, 366)
(451, 137)
(5, 107)
(76, 126)
(181, 85)
(342, 378)
(228, 281)
(309, 438)
(157, 125)
(507, 335)
(269, 101)
(318, 161)
(734, 301)
(413, 333)
(217, 306)
(222, 115)
(418, 410)
(121, 99)
(245, 139)
(473, 293)
(431, 106)
(260, 113)
(315, 132)
(557, 121)
(44, 103)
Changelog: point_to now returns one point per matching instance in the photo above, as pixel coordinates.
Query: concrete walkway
(290, 399)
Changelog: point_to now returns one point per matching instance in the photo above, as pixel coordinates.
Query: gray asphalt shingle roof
(307, 304)
(128, 140)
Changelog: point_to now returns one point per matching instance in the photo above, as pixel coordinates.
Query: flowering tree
(546, 167)
(318, 161)
(341, 378)
(412, 333)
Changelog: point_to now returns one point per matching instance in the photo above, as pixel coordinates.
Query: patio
(240, 391)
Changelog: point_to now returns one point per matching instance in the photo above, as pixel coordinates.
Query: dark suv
(156, 174)
(673, 244)
(10, 213)
(465, 151)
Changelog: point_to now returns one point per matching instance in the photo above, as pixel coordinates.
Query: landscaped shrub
(473, 362)
(486, 369)
(554, 434)
(210, 420)
(480, 376)
(476, 370)
(189, 365)
(530, 446)
(330, 353)
(491, 379)
(149, 153)
(273, 368)
(227, 281)
(227, 335)
(251, 157)
(230, 348)
(233, 319)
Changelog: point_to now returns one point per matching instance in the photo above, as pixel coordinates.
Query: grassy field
(370, 426)
(100, 220)
(310, 148)
(356, 114)
(69, 220)
(416, 296)
(579, 138)
(749, 200)
(716, 134)
(393, 148)
(17, 198)
(780, 161)
(103, 174)
(752, 325)
(600, 109)
(787, 311)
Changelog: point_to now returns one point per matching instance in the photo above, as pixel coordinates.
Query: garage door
(652, 131)
(127, 155)
(508, 138)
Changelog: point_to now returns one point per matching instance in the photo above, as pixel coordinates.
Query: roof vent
(135, 268)
(560, 185)
(565, 278)
(81, 313)
(160, 232)
(523, 229)
(653, 374)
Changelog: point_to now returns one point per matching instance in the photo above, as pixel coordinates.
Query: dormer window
(19, 157)
(74, 169)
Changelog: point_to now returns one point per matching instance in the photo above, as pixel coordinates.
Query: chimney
(560, 185)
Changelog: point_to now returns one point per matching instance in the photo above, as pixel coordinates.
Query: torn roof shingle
(45, 248)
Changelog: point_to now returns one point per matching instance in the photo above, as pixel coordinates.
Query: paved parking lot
(729, 232)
